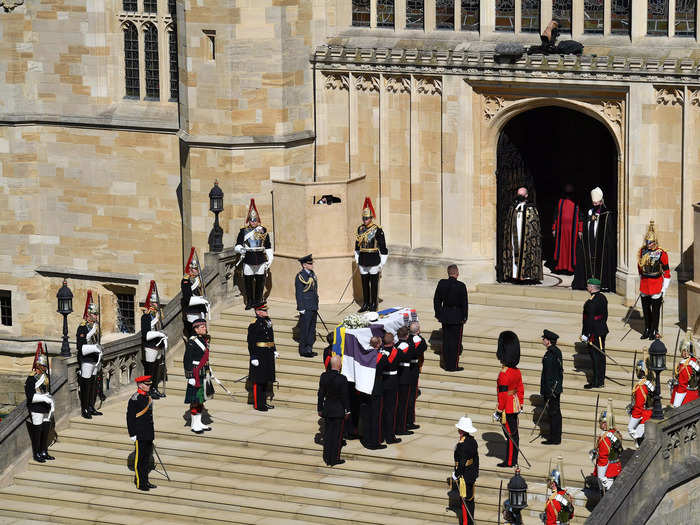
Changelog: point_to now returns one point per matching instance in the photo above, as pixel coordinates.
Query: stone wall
(680, 505)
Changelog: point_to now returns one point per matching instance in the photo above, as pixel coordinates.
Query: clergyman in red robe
(566, 228)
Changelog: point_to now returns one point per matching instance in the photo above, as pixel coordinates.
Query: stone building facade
(117, 116)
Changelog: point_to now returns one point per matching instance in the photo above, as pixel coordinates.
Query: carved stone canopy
(9, 5)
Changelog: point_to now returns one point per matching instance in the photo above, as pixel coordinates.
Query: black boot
(248, 284)
(35, 436)
(374, 291)
(83, 393)
(93, 397)
(155, 378)
(646, 312)
(365, 293)
(259, 288)
(45, 426)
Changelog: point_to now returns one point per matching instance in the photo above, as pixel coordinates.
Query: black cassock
(596, 255)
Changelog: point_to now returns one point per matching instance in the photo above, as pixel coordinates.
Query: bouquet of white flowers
(355, 321)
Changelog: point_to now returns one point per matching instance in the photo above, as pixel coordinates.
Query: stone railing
(668, 458)
(121, 362)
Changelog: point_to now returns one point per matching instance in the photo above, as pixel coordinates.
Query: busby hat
(143, 379)
(253, 214)
(368, 209)
(508, 351)
(551, 336)
(307, 259)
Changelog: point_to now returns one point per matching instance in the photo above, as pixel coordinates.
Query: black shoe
(588, 386)
(262, 409)
(269, 407)
(94, 412)
(151, 485)
(144, 488)
(46, 456)
(375, 447)
(645, 334)
(601, 385)
(413, 427)
(39, 458)
(458, 369)
(86, 414)
(248, 306)
(653, 335)
(364, 308)
(339, 462)
(393, 441)
(419, 393)
(504, 464)
(405, 433)
(549, 442)
(344, 443)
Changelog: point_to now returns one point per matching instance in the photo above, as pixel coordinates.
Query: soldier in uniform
(466, 457)
(194, 304)
(253, 244)
(654, 280)
(511, 394)
(334, 406)
(261, 347)
(196, 365)
(328, 351)
(306, 291)
(595, 328)
(551, 385)
(686, 376)
(40, 404)
(154, 343)
(642, 400)
(139, 423)
(390, 390)
(419, 345)
(559, 508)
(89, 357)
(406, 355)
(608, 451)
(370, 255)
(451, 305)
(372, 424)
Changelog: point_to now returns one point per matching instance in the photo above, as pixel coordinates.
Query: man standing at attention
(451, 304)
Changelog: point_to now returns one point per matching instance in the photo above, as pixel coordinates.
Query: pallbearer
(371, 255)
(40, 404)
(139, 423)
(511, 394)
(417, 341)
(334, 406)
(655, 278)
(253, 244)
(196, 365)
(154, 343)
(89, 357)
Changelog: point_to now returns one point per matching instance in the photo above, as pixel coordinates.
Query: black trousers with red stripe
(464, 518)
(511, 426)
(372, 422)
(259, 401)
(391, 402)
(403, 406)
(333, 439)
(412, 396)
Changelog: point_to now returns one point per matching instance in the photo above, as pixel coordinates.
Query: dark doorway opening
(544, 149)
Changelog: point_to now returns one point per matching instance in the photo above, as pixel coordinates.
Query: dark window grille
(6, 307)
(657, 17)
(530, 16)
(385, 13)
(561, 12)
(360, 13)
(593, 16)
(131, 60)
(125, 313)
(620, 17)
(505, 15)
(130, 5)
(172, 45)
(470, 15)
(685, 18)
(414, 14)
(150, 41)
(172, 8)
(150, 6)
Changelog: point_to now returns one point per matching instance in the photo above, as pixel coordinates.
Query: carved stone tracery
(397, 84)
(336, 81)
(429, 85)
(669, 95)
(9, 5)
(368, 83)
(694, 97)
(492, 105)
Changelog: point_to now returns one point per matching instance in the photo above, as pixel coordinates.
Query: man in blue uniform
(306, 290)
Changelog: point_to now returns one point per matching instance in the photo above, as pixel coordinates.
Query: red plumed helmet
(90, 306)
(253, 214)
(368, 209)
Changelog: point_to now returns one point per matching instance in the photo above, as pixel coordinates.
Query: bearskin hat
(508, 352)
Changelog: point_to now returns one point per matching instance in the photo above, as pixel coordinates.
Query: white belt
(195, 362)
(391, 373)
(404, 364)
(255, 248)
(414, 361)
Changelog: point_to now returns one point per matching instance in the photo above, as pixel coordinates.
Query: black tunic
(258, 239)
(333, 398)
(598, 256)
(261, 346)
(407, 353)
(552, 372)
(466, 450)
(30, 389)
(595, 316)
(80, 340)
(451, 302)
(194, 354)
(139, 417)
(369, 244)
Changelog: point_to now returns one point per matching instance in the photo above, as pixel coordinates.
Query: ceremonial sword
(543, 410)
(512, 441)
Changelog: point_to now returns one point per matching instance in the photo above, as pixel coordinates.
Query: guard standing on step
(511, 394)
(559, 508)
(372, 412)
(40, 404)
(196, 365)
(371, 255)
(595, 328)
(642, 401)
(687, 375)
(306, 291)
(406, 355)
(608, 450)
(328, 351)
(419, 345)
(334, 406)
(451, 305)
(154, 343)
(390, 388)
(551, 383)
(655, 277)
(261, 347)
(192, 300)
(139, 423)
(253, 245)
(87, 340)
(466, 457)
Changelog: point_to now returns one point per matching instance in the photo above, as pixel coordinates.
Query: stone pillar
(692, 288)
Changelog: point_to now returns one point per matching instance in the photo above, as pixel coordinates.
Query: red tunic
(652, 284)
(510, 390)
(641, 392)
(554, 504)
(685, 370)
(566, 228)
(605, 443)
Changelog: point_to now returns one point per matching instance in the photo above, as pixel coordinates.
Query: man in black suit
(372, 415)
(451, 305)
(306, 288)
(551, 383)
(595, 328)
(333, 406)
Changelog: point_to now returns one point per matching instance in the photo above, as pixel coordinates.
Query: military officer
(551, 383)
(306, 291)
(511, 394)
(328, 351)
(89, 357)
(334, 406)
(196, 365)
(261, 347)
(595, 328)
(406, 355)
(154, 343)
(372, 424)
(655, 278)
(642, 399)
(40, 404)
(466, 458)
(390, 389)
(687, 375)
(608, 451)
(371, 255)
(559, 508)
(419, 345)
(193, 302)
(253, 244)
(139, 423)
(451, 305)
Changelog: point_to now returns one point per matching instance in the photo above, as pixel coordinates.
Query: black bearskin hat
(508, 352)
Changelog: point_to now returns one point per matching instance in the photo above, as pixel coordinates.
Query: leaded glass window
(593, 16)
(505, 15)
(150, 6)
(150, 42)
(444, 14)
(470, 15)
(130, 6)
(360, 13)
(131, 60)
(620, 17)
(657, 17)
(414, 14)
(561, 12)
(385, 13)
(685, 18)
(172, 8)
(530, 16)
(172, 48)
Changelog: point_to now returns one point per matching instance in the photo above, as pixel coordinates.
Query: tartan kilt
(191, 394)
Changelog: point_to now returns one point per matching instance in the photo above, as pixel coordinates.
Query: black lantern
(65, 307)
(517, 491)
(216, 206)
(657, 363)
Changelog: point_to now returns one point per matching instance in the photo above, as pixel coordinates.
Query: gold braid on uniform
(259, 236)
(307, 284)
(362, 238)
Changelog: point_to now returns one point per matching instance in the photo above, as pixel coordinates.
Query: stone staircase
(265, 468)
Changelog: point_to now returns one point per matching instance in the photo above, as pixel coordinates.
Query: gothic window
(657, 17)
(444, 14)
(530, 16)
(131, 60)
(685, 18)
(385, 13)
(360, 13)
(620, 17)
(561, 12)
(172, 8)
(505, 15)
(150, 6)
(150, 42)
(593, 13)
(470, 15)
(172, 45)
(414, 14)
(130, 6)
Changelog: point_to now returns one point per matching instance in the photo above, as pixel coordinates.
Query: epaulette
(193, 337)
(135, 396)
(83, 322)
(186, 276)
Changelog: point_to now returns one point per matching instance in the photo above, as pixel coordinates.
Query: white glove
(301, 311)
(133, 438)
(239, 248)
(277, 354)
(664, 287)
(454, 477)
(382, 259)
(191, 381)
(357, 258)
(584, 338)
(255, 362)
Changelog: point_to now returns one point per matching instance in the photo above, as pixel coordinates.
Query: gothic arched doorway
(544, 149)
